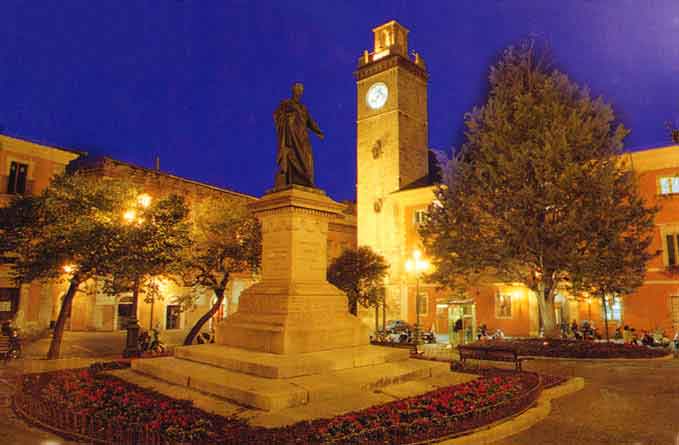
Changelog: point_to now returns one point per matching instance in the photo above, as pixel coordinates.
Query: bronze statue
(294, 157)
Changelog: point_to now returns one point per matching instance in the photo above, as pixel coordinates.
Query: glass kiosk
(461, 322)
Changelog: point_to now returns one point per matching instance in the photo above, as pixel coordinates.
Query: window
(424, 303)
(674, 305)
(614, 309)
(671, 249)
(172, 317)
(17, 178)
(9, 302)
(503, 306)
(669, 185)
(420, 217)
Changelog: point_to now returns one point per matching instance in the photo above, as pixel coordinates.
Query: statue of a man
(294, 157)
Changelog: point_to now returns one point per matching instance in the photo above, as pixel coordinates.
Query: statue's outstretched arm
(313, 126)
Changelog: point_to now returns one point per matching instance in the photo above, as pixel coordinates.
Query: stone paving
(623, 403)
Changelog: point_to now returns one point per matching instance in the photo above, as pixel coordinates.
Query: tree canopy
(70, 231)
(360, 274)
(539, 190)
(225, 239)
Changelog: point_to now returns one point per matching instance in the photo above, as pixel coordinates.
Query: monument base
(268, 319)
(272, 382)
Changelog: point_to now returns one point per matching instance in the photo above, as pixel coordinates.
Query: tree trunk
(377, 317)
(353, 306)
(55, 345)
(384, 315)
(135, 300)
(603, 301)
(191, 336)
(546, 303)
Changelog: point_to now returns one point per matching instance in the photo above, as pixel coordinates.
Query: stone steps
(275, 394)
(276, 366)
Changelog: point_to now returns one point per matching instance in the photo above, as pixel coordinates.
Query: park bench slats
(490, 354)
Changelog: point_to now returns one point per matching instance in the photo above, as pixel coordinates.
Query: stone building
(394, 190)
(26, 168)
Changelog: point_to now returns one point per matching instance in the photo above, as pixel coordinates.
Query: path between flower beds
(471, 402)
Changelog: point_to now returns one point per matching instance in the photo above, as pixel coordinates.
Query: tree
(523, 202)
(617, 262)
(153, 237)
(226, 239)
(360, 274)
(71, 230)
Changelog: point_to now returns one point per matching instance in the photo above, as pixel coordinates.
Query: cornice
(394, 60)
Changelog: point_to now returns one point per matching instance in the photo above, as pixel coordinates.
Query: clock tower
(391, 139)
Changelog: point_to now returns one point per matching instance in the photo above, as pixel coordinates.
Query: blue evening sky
(196, 81)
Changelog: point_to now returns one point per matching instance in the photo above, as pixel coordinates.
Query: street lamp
(417, 265)
(131, 216)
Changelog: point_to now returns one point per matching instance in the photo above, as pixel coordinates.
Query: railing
(81, 427)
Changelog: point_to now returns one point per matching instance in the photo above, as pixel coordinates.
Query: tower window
(17, 178)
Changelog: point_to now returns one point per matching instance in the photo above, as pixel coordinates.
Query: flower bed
(572, 348)
(84, 404)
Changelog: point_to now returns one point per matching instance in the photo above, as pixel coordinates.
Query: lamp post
(417, 265)
(131, 216)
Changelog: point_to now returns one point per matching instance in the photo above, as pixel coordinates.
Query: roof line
(151, 170)
(42, 144)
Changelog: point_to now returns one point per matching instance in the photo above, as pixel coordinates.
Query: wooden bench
(5, 347)
(490, 354)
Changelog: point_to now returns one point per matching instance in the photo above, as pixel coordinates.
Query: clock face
(377, 95)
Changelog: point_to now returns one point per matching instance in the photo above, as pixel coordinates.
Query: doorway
(124, 312)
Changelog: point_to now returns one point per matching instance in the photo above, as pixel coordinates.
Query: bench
(5, 347)
(490, 354)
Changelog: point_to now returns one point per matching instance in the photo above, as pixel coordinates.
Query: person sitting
(648, 339)
(635, 337)
(626, 335)
(574, 328)
(483, 332)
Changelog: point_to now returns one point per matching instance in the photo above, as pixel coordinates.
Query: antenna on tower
(157, 163)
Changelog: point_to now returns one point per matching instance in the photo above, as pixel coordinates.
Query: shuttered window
(671, 250)
(17, 178)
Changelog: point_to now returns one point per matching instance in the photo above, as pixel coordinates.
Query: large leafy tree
(154, 234)
(523, 201)
(226, 239)
(72, 230)
(360, 274)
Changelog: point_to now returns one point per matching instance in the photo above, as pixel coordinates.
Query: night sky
(196, 81)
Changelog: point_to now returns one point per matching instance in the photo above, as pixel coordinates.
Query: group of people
(629, 335)
(586, 331)
(484, 333)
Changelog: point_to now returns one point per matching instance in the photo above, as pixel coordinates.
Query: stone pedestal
(293, 309)
(292, 341)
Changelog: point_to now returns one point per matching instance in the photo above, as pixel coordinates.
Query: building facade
(26, 168)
